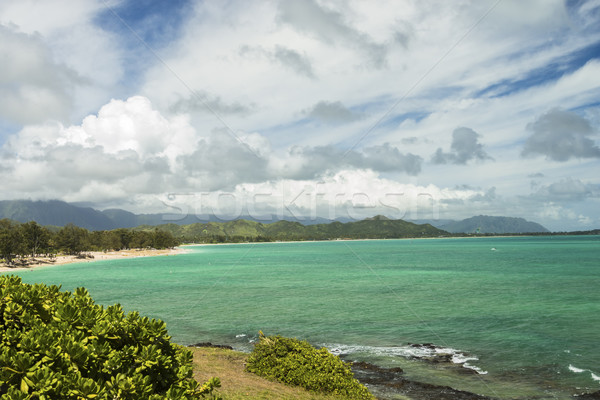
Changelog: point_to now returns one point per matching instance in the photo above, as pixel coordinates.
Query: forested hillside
(59, 213)
(243, 230)
(488, 224)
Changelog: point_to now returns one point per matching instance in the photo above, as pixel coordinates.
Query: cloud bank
(228, 98)
(561, 135)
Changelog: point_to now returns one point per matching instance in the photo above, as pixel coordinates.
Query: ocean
(505, 317)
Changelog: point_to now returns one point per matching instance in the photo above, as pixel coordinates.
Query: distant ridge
(188, 228)
(60, 213)
(487, 224)
(378, 227)
(54, 212)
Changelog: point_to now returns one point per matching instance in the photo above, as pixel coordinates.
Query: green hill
(243, 230)
(59, 213)
(211, 229)
(487, 224)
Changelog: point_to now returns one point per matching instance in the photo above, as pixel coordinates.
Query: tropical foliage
(61, 345)
(296, 362)
(31, 239)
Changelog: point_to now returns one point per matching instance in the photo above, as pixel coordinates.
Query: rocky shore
(389, 383)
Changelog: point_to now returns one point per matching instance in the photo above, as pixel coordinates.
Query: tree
(141, 240)
(36, 238)
(163, 239)
(11, 241)
(72, 239)
(105, 240)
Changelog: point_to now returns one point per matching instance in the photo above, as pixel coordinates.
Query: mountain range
(378, 227)
(59, 213)
(485, 224)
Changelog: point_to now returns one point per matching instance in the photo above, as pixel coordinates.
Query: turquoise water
(523, 312)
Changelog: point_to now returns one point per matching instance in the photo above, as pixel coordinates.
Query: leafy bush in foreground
(296, 362)
(58, 345)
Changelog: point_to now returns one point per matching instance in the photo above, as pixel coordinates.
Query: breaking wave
(411, 351)
(576, 370)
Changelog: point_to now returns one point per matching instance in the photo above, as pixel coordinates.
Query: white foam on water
(241, 335)
(474, 368)
(408, 352)
(575, 369)
(397, 351)
(580, 370)
(460, 358)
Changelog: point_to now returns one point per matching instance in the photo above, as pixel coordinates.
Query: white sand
(97, 255)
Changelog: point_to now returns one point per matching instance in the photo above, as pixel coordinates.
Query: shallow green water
(524, 312)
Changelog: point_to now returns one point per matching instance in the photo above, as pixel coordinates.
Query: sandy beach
(93, 256)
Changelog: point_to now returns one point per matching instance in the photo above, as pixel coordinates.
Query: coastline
(92, 256)
(374, 374)
(364, 239)
(384, 384)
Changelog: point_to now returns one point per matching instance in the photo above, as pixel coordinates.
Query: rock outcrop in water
(449, 358)
(387, 383)
(588, 396)
(214, 346)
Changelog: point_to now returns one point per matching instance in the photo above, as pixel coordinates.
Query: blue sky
(412, 109)
(554, 70)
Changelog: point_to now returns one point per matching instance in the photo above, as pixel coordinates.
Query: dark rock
(387, 383)
(466, 371)
(444, 359)
(424, 345)
(440, 358)
(426, 391)
(374, 375)
(376, 368)
(588, 396)
(209, 344)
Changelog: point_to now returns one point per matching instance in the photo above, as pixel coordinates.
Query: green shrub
(58, 345)
(296, 362)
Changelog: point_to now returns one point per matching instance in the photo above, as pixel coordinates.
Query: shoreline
(373, 239)
(37, 262)
(395, 383)
(383, 383)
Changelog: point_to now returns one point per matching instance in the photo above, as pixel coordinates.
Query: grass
(236, 383)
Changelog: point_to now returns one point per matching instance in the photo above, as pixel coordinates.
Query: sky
(413, 109)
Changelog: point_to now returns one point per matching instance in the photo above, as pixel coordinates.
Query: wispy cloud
(329, 25)
(128, 102)
(281, 55)
(332, 112)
